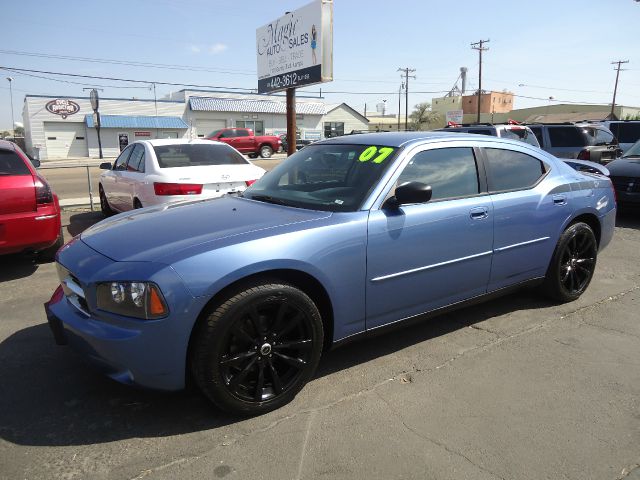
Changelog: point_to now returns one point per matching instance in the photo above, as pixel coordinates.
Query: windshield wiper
(270, 199)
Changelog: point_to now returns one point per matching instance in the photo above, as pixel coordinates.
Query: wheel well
(303, 281)
(592, 221)
(266, 145)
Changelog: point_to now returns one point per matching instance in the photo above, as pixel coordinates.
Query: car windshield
(519, 133)
(197, 154)
(634, 151)
(325, 177)
(214, 133)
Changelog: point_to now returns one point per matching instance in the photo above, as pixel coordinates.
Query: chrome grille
(72, 289)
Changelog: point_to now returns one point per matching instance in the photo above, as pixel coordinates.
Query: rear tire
(266, 151)
(257, 349)
(572, 265)
(137, 203)
(104, 203)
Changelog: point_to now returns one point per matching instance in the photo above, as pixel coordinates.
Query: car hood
(625, 167)
(152, 233)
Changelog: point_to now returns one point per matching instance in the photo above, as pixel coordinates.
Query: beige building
(491, 102)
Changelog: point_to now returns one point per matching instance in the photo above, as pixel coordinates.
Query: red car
(29, 210)
(243, 140)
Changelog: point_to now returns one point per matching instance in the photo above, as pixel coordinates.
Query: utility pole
(406, 93)
(399, 104)
(478, 46)
(615, 89)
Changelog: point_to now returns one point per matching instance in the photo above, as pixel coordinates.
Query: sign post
(95, 103)
(293, 51)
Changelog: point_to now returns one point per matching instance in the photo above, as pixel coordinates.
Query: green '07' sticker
(372, 151)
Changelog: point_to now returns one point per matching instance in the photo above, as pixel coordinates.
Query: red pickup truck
(243, 140)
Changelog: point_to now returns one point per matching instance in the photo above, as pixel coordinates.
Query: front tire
(255, 351)
(104, 203)
(266, 151)
(573, 263)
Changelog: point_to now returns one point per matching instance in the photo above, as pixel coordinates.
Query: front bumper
(147, 353)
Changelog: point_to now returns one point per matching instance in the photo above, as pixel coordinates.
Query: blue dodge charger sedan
(347, 236)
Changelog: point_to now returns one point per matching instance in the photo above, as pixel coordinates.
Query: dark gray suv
(583, 142)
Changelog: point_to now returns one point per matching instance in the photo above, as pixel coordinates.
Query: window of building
(511, 170)
(451, 172)
(333, 129)
(256, 125)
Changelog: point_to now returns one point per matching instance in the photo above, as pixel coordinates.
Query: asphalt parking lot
(516, 388)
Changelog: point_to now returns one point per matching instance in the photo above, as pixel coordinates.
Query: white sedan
(152, 172)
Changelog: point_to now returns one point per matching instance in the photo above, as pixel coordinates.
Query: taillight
(177, 188)
(249, 182)
(584, 155)
(44, 194)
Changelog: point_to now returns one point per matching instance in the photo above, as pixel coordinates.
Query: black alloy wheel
(573, 263)
(258, 349)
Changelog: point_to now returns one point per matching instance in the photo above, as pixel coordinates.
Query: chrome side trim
(521, 244)
(45, 217)
(429, 267)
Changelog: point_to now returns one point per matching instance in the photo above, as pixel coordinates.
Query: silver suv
(591, 142)
(503, 130)
(626, 131)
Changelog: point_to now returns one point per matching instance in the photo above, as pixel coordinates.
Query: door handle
(559, 200)
(478, 213)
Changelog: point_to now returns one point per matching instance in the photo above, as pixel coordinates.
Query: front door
(424, 256)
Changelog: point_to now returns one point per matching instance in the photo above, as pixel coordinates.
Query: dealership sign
(296, 49)
(454, 116)
(62, 107)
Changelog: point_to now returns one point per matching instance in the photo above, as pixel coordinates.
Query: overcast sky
(547, 48)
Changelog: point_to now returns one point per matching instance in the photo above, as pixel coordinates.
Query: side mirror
(410, 192)
(35, 162)
(105, 166)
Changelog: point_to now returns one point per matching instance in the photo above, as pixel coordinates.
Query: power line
(68, 81)
(14, 69)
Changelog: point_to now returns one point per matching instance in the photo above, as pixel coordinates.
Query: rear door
(245, 143)
(17, 189)
(527, 213)
(133, 176)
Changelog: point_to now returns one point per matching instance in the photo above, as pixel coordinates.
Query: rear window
(482, 131)
(567, 137)
(626, 132)
(12, 164)
(193, 155)
(522, 134)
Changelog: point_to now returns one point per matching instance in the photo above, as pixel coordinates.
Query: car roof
(392, 139)
(401, 139)
(180, 141)
(6, 145)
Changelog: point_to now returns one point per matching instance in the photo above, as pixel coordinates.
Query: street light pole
(13, 122)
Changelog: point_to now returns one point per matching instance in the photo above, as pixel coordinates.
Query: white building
(63, 127)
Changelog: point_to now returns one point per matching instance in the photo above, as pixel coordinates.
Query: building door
(205, 127)
(123, 140)
(65, 139)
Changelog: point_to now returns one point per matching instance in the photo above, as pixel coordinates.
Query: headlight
(132, 299)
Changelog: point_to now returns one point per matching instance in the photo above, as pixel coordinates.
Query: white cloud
(194, 49)
(217, 48)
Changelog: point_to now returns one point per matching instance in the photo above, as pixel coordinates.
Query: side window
(537, 131)
(242, 133)
(566, 137)
(510, 170)
(121, 161)
(228, 134)
(136, 160)
(603, 137)
(451, 172)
